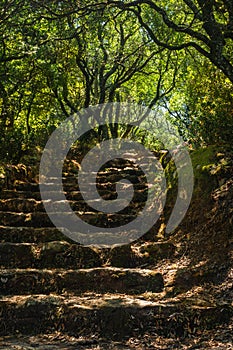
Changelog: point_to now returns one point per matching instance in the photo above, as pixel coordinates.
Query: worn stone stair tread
(102, 279)
(24, 205)
(35, 187)
(95, 300)
(59, 254)
(57, 250)
(41, 219)
(88, 300)
(30, 205)
(10, 194)
(23, 234)
(30, 234)
(109, 315)
(140, 195)
(53, 186)
(112, 175)
(43, 214)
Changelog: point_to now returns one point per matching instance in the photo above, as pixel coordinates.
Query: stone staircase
(49, 283)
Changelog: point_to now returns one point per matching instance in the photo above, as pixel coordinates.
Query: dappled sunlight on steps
(48, 283)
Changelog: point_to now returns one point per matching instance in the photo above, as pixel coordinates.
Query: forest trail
(149, 292)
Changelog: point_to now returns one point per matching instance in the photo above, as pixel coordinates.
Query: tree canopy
(205, 25)
(58, 57)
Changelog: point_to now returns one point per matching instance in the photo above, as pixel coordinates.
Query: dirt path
(220, 339)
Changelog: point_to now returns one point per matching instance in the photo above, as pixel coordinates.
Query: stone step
(111, 175)
(109, 316)
(18, 205)
(11, 173)
(72, 167)
(13, 234)
(41, 219)
(56, 254)
(66, 254)
(147, 254)
(35, 187)
(30, 205)
(98, 280)
(70, 187)
(139, 195)
(11, 194)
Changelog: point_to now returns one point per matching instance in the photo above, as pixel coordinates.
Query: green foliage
(211, 166)
(11, 146)
(58, 58)
(202, 105)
